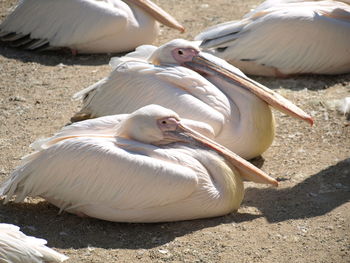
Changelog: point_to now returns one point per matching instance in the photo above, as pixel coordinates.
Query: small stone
(32, 228)
(329, 227)
(281, 179)
(61, 65)
(325, 116)
(90, 248)
(163, 251)
(17, 98)
(339, 186)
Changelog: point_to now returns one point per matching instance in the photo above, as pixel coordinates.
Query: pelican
(147, 166)
(84, 26)
(285, 37)
(17, 247)
(235, 107)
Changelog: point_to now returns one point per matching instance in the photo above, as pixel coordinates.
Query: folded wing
(35, 24)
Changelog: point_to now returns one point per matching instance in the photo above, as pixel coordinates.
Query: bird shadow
(53, 58)
(315, 196)
(70, 231)
(311, 82)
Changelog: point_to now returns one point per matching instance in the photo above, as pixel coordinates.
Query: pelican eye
(164, 122)
(180, 52)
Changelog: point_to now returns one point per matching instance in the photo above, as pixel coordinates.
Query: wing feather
(106, 125)
(135, 84)
(115, 173)
(294, 38)
(64, 22)
(141, 53)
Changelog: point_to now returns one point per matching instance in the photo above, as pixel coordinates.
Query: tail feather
(219, 35)
(10, 187)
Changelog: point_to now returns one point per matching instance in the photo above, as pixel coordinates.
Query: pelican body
(198, 86)
(84, 26)
(17, 247)
(285, 37)
(147, 166)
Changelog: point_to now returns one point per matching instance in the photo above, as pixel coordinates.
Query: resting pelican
(84, 26)
(235, 107)
(285, 37)
(17, 247)
(147, 166)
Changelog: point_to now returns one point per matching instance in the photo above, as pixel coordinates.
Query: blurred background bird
(285, 37)
(84, 26)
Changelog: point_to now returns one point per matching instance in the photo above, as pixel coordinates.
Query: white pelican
(221, 96)
(16, 247)
(148, 166)
(285, 37)
(84, 26)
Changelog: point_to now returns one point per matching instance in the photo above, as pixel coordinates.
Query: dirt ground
(307, 219)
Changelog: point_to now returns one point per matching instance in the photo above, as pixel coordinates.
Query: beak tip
(311, 121)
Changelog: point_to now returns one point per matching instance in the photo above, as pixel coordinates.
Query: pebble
(32, 228)
(90, 248)
(163, 251)
(340, 186)
(61, 65)
(17, 98)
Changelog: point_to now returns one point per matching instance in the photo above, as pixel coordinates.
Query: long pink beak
(247, 170)
(203, 63)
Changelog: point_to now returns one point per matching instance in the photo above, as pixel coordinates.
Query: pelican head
(157, 125)
(188, 54)
(177, 51)
(148, 124)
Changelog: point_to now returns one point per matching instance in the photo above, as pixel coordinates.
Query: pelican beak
(209, 64)
(247, 170)
(158, 13)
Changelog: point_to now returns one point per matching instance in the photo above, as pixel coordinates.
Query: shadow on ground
(53, 58)
(315, 196)
(70, 231)
(310, 82)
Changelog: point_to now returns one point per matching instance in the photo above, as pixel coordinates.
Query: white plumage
(16, 247)
(240, 120)
(86, 26)
(284, 37)
(343, 106)
(135, 168)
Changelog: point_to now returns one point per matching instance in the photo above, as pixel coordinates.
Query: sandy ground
(307, 219)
